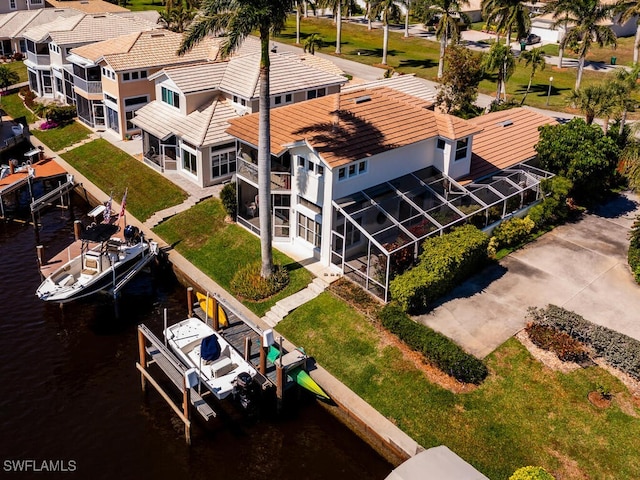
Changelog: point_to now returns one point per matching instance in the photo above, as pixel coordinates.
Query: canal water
(70, 394)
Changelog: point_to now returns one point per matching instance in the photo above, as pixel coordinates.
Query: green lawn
(65, 136)
(137, 5)
(523, 414)
(420, 56)
(19, 68)
(14, 107)
(220, 249)
(113, 170)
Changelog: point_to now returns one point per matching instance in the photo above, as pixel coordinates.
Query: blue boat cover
(210, 348)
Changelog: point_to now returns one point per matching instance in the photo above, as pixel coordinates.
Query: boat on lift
(99, 267)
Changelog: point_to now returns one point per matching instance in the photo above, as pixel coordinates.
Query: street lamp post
(549, 92)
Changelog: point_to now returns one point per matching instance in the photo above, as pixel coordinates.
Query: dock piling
(190, 301)
(77, 229)
(186, 400)
(143, 359)
(263, 359)
(216, 317)
(40, 253)
(247, 349)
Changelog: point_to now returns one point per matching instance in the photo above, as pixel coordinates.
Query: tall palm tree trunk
(385, 42)
(443, 47)
(623, 120)
(298, 23)
(406, 20)
(504, 67)
(339, 28)
(264, 159)
(636, 45)
(561, 48)
(579, 75)
(528, 87)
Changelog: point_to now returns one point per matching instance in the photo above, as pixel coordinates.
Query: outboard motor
(245, 390)
(132, 234)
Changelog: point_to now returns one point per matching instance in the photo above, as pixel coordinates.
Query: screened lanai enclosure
(378, 232)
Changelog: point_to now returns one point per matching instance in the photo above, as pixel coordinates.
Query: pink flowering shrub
(49, 124)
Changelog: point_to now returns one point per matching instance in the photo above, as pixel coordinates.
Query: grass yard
(420, 56)
(64, 136)
(523, 414)
(138, 5)
(113, 170)
(19, 68)
(220, 249)
(14, 107)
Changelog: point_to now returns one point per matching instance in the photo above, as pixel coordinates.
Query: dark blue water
(69, 392)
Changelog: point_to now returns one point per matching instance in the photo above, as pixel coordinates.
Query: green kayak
(298, 375)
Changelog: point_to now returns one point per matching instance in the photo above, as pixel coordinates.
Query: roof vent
(157, 35)
(362, 99)
(506, 123)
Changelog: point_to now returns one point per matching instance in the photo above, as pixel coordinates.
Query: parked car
(532, 39)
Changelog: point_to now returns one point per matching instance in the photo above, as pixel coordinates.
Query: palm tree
(389, 10)
(589, 100)
(237, 19)
(336, 8)
(500, 59)
(587, 17)
(629, 9)
(406, 18)
(628, 80)
(560, 10)
(630, 163)
(449, 13)
(312, 42)
(508, 16)
(8, 77)
(535, 58)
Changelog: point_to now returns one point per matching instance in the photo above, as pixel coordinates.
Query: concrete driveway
(580, 266)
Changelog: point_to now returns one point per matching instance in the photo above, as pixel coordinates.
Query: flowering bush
(49, 124)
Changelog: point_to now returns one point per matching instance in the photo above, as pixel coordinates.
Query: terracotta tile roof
(85, 28)
(348, 126)
(87, 6)
(198, 77)
(204, 126)
(507, 138)
(408, 84)
(155, 48)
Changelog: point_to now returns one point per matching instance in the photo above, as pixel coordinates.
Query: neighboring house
(111, 78)
(360, 179)
(13, 25)
(184, 128)
(7, 6)
(89, 6)
(48, 45)
(543, 26)
(407, 83)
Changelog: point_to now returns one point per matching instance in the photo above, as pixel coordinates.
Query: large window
(112, 120)
(131, 105)
(320, 92)
(309, 230)
(170, 97)
(12, 4)
(223, 160)
(189, 161)
(461, 148)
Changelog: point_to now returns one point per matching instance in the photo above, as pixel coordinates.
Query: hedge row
(437, 349)
(634, 250)
(619, 350)
(445, 261)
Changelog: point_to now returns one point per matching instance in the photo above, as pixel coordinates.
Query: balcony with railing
(87, 86)
(280, 180)
(41, 60)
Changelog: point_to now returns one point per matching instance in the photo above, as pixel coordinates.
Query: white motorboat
(220, 367)
(99, 267)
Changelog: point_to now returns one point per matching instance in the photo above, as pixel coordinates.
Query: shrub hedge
(229, 199)
(531, 473)
(634, 250)
(437, 349)
(619, 350)
(510, 233)
(444, 262)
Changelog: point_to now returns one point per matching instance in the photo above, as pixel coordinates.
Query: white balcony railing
(87, 86)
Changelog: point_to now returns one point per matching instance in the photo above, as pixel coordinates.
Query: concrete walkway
(580, 266)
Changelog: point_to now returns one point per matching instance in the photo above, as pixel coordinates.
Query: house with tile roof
(361, 178)
(49, 44)
(184, 129)
(111, 78)
(21, 5)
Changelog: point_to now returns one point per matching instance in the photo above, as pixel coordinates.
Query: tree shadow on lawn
(617, 206)
(541, 90)
(374, 52)
(413, 63)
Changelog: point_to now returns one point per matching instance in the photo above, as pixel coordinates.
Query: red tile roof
(349, 126)
(508, 138)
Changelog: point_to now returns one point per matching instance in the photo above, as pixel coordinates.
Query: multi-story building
(184, 128)
(371, 173)
(111, 78)
(48, 46)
